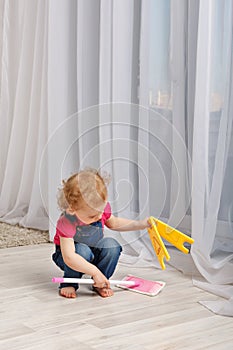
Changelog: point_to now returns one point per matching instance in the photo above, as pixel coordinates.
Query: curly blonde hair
(87, 187)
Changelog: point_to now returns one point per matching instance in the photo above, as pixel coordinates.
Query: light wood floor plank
(34, 316)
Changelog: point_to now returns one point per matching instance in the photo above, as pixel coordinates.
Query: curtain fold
(212, 159)
(60, 154)
(23, 64)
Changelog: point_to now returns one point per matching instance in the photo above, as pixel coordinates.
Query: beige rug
(13, 236)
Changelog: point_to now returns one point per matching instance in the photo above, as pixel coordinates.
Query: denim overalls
(90, 234)
(90, 243)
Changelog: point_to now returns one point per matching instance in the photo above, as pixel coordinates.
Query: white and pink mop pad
(142, 286)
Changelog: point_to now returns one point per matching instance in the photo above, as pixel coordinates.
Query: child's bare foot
(104, 292)
(68, 292)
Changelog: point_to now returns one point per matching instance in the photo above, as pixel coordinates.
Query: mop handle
(90, 281)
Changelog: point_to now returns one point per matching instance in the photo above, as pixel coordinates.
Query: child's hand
(145, 223)
(100, 280)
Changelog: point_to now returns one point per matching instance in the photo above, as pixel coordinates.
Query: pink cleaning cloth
(143, 286)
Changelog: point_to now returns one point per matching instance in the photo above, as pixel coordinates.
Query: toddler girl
(81, 247)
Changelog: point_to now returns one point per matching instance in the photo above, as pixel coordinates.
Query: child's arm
(78, 263)
(122, 224)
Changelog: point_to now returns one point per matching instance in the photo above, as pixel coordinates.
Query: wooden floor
(34, 316)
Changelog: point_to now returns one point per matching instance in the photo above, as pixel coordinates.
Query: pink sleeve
(106, 214)
(65, 228)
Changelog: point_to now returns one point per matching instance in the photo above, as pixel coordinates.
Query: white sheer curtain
(23, 110)
(141, 89)
(192, 89)
(97, 67)
(163, 125)
(213, 153)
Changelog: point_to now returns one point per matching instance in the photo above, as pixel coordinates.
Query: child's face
(88, 215)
